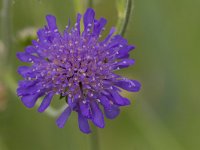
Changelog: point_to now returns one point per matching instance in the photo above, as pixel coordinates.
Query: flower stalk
(6, 29)
(124, 9)
(90, 3)
(94, 139)
(79, 6)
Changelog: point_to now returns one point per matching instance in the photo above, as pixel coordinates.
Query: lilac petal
(24, 70)
(78, 19)
(129, 85)
(119, 100)
(83, 124)
(31, 90)
(26, 83)
(117, 40)
(43, 43)
(31, 49)
(62, 119)
(41, 35)
(72, 102)
(112, 112)
(23, 56)
(98, 26)
(124, 63)
(66, 31)
(46, 102)
(30, 100)
(26, 57)
(105, 101)
(123, 52)
(85, 109)
(97, 115)
(88, 17)
(51, 20)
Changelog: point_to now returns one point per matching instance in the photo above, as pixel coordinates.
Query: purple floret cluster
(79, 66)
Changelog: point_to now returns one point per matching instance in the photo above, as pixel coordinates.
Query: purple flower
(78, 66)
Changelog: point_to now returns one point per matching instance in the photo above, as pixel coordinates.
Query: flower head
(78, 66)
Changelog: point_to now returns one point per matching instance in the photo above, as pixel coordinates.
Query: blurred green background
(165, 114)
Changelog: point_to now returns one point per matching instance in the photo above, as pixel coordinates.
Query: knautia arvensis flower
(78, 66)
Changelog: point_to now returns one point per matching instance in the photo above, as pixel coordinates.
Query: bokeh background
(164, 115)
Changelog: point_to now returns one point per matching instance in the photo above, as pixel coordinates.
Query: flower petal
(98, 26)
(24, 71)
(30, 100)
(51, 20)
(62, 119)
(123, 52)
(119, 100)
(26, 83)
(129, 85)
(26, 57)
(85, 109)
(97, 115)
(83, 124)
(78, 19)
(31, 49)
(41, 35)
(124, 63)
(105, 102)
(112, 112)
(72, 102)
(31, 90)
(117, 41)
(88, 17)
(46, 102)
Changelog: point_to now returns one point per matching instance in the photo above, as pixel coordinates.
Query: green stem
(94, 139)
(124, 17)
(6, 29)
(79, 6)
(90, 3)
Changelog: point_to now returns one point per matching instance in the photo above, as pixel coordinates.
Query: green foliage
(165, 114)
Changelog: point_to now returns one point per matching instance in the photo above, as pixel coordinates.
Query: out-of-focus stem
(94, 139)
(79, 6)
(6, 29)
(90, 3)
(124, 12)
